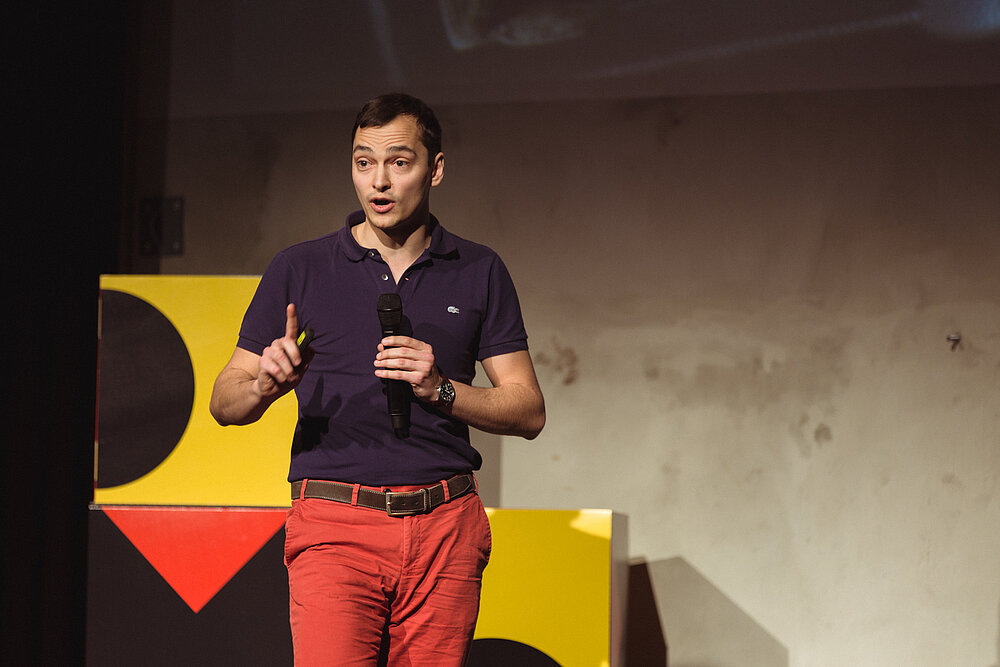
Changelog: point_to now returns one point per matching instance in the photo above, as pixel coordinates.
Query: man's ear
(437, 169)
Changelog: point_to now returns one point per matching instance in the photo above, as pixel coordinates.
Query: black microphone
(390, 316)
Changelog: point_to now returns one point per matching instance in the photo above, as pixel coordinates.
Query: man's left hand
(410, 360)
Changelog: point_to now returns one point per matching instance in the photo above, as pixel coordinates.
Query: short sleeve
(264, 319)
(503, 327)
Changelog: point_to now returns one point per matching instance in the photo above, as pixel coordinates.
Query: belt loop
(302, 489)
(354, 495)
(475, 482)
(447, 490)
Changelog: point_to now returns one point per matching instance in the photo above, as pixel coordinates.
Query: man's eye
(401, 163)
(362, 164)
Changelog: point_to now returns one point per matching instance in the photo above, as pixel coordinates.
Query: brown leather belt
(394, 503)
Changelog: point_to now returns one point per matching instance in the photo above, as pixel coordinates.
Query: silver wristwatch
(445, 393)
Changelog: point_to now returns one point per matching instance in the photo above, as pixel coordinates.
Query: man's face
(392, 174)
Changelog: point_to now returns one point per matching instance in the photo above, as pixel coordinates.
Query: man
(386, 539)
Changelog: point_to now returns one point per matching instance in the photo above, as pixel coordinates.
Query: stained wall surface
(739, 308)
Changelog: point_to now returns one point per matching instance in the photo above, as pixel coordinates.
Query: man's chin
(393, 222)
(384, 222)
(393, 225)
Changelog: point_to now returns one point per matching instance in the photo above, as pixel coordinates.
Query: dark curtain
(64, 97)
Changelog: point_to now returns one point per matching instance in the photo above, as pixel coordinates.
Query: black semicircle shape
(145, 389)
(506, 652)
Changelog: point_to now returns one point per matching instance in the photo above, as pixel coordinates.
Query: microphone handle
(397, 398)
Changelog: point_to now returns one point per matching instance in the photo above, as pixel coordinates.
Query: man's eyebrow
(391, 149)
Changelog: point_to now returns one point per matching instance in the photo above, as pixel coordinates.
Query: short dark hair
(383, 109)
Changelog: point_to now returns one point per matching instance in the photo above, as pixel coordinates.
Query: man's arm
(250, 383)
(512, 406)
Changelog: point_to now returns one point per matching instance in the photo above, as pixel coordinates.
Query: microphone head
(390, 310)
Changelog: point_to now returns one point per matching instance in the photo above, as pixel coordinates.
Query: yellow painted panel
(548, 583)
(211, 465)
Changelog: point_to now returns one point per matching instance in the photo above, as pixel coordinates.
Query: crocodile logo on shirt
(453, 310)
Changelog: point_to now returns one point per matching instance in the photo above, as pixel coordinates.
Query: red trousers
(369, 589)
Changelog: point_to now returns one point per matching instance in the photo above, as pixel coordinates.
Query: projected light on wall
(471, 24)
(960, 18)
(270, 56)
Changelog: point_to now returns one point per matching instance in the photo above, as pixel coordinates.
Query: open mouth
(381, 205)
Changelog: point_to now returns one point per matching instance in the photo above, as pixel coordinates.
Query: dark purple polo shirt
(458, 297)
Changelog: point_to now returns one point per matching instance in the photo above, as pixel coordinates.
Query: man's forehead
(399, 134)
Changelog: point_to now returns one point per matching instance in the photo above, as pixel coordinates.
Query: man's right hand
(282, 364)
(249, 383)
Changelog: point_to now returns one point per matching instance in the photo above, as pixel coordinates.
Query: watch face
(446, 392)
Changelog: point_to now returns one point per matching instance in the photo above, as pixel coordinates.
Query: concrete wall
(739, 310)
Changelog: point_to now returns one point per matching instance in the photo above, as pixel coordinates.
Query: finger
(404, 341)
(290, 342)
(393, 362)
(286, 353)
(269, 373)
(398, 357)
(269, 376)
(276, 362)
(291, 322)
(409, 377)
(414, 370)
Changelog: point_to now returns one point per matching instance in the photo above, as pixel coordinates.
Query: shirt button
(385, 277)
(371, 253)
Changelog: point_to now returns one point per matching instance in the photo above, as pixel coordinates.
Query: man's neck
(399, 248)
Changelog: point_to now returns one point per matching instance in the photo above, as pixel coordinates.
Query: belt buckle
(403, 511)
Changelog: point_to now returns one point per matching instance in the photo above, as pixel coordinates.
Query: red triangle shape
(197, 550)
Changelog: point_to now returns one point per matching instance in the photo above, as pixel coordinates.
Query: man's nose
(381, 179)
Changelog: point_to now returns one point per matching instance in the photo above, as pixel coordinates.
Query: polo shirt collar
(442, 243)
